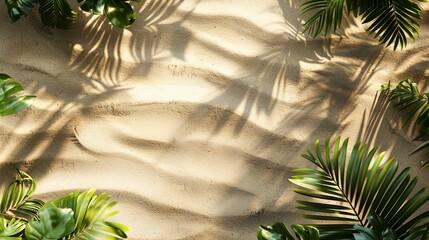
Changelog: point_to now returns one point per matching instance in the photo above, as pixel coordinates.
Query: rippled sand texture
(194, 117)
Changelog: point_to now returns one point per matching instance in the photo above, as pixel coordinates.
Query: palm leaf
(278, 231)
(16, 197)
(393, 22)
(419, 232)
(9, 103)
(327, 16)
(408, 97)
(346, 188)
(91, 212)
(57, 14)
(11, 229)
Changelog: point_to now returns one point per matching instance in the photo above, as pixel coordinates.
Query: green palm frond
(91, 212)
(16, 197)
(393, 22)
(278, 231)
(77, 216)
(57, 14)
(11, 229)
(420, 232)
(408, 97)
(346, 188)
(328, 16)
(9, 103)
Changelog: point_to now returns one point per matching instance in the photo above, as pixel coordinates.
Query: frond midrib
(345, 196)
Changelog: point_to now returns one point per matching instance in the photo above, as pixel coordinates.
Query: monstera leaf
(408, 97)
(91, 212)
(54, 223)
(59, 14)
(9, 103)
(11, 229)
(119, 13)
(379, 230)
(391, 21)
(278, 231)
(16, 197)
(17, 8)
(345, 188)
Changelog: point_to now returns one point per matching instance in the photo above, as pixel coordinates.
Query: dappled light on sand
(194, 117)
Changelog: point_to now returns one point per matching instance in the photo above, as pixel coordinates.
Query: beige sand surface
(194, 116)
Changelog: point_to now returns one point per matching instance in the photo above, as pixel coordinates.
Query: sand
(193, 118)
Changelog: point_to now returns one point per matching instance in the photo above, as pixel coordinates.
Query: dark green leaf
(409, 98)
(93, 6)
(57, 14)
(379, 230)
(392, 22)
(17, 8)
(120, 13)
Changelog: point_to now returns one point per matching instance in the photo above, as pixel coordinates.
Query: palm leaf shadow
(101, 54)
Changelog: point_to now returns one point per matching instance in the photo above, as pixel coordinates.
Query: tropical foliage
(391, 21)
(9, 102)
(59, 13)
(79, 215)
(278, 231)
(379, 230)
(408, 97)
(357, 195)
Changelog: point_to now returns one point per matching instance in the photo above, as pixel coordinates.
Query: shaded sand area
(194, 116)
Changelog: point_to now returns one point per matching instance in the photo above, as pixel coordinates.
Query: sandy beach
(193, 118)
